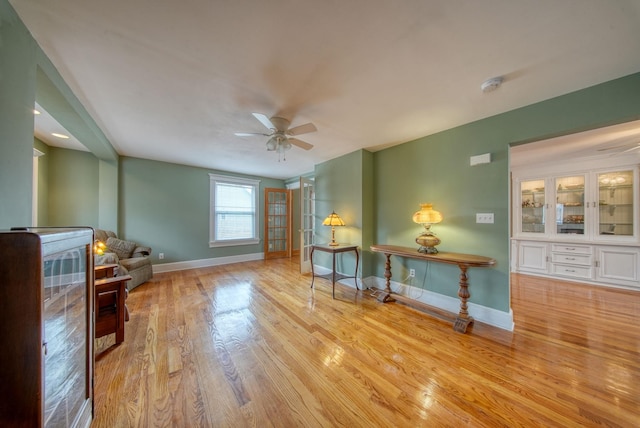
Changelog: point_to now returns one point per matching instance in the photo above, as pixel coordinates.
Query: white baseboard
(494, 317)
(217, 261)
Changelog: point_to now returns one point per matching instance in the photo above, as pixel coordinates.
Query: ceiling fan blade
(265, 121)
(299, 143)
(251, 134)
(636, 147)
(302, 129)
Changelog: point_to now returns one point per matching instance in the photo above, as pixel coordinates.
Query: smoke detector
(491, 84)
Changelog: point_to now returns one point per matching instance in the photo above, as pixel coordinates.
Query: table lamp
(333, 220)
(99, 247)
(426, 217)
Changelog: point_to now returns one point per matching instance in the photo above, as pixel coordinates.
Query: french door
(277, 223)
(307, 213)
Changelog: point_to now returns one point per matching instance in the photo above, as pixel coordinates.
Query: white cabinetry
(580, 225)
(618, 265)
(599, 264)
(574, 261)
(596, 205)
(532, 257)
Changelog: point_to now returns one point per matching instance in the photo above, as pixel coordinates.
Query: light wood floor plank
(251, 345)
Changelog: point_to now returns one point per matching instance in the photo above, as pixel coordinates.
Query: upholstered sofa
(132, 259)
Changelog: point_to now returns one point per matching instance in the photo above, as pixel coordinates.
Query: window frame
(214, 180)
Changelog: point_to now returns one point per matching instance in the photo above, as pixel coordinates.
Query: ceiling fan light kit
(279, 137)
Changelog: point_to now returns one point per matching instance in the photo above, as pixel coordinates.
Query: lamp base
(333, 244)
(428, 242)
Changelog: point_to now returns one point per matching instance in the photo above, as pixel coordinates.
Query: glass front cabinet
(579, 226)
(598, 206)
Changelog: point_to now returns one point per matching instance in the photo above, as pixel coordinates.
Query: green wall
(17, 96)
(343, 185)
(73, 188)
(166, 206)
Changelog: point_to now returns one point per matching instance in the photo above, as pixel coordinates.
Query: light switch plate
(484, 217)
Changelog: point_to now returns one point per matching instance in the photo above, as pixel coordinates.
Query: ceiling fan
(280, 135)
(622, 148)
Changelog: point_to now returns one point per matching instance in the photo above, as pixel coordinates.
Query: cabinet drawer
(577, 259)
(572, 271)
(573, 249)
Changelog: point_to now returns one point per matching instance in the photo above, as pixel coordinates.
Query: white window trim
(213, 180)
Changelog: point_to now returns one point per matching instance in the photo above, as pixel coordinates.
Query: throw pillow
(123, 249)
(105, 259)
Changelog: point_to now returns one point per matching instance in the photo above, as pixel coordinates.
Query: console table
(463, 261)
(334, 276)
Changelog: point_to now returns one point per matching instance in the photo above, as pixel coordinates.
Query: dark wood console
(463, 261)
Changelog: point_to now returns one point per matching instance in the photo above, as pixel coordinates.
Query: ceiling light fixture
(492, 84)
(64, 137)
(279, 143)
(36, 111)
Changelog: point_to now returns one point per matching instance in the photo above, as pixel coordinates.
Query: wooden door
(277, 223)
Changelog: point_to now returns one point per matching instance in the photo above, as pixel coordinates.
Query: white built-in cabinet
(589, 206)
(581, 225)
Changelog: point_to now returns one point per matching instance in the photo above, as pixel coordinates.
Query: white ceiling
(173, 81)
(620, 141)
(46, 125)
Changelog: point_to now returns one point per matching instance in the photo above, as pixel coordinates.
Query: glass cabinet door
(570, 207)
(615, 203)
(532, 199)
(66, 376)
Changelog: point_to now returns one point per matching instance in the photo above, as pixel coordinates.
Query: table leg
(333, 277)
(385, 296)
(121, 312)
(355, 276)
(313, 276)
(463, 320)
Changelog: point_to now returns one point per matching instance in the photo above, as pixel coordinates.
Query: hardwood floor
(251, 345)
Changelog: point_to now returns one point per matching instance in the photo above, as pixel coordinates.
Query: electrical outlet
(161, 256)
(412, 273)
(484, 217)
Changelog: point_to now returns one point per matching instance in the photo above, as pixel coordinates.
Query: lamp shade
(272, 144)
(427, 215)
(99, 247)
(333, 220)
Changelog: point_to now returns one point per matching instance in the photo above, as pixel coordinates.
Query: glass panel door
(570, 209)
(277, 223)
(307, 213)
(532, 198)
(615, 203)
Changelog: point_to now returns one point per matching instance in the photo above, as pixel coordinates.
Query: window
(233, 211)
